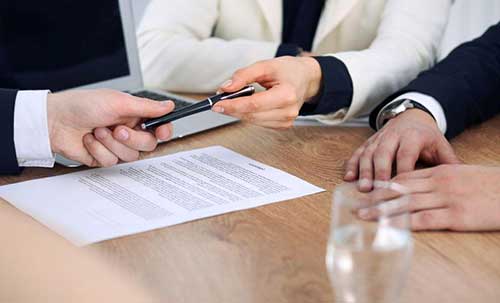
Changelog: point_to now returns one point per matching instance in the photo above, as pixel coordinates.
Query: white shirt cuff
(31, 130)
(431, 104)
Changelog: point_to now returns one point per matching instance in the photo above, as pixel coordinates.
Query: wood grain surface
(276, 253)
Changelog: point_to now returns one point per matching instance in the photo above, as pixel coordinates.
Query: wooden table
(276, 253)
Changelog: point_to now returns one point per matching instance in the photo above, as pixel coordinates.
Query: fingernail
(89, 139)
(349, 175)
(166, 103)
(218, 109)
(166, 136)
(100, 133)
(365, 183)
(364, 213)
(227, 84)
(123, 135)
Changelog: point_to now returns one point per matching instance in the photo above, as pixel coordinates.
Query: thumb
(255, 73)
(446, 154)
(145, 108)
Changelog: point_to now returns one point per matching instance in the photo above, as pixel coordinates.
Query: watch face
(383, 118)
(393, 111)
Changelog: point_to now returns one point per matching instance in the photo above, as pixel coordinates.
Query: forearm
(466, 83)
(406, 43)
(185, 64)
(179, 52)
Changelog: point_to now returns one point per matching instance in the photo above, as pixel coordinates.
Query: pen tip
(143, 126)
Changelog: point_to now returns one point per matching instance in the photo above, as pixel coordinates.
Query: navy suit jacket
(8, 159)
(466, 83)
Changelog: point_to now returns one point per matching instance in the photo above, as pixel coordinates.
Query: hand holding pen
(199, 107)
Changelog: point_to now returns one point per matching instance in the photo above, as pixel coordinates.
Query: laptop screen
(60, 44)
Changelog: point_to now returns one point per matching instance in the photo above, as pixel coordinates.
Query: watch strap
(383, 116)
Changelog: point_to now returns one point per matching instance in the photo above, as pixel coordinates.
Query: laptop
(65, 44)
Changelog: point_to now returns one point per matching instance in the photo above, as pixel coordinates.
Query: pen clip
(244, 92)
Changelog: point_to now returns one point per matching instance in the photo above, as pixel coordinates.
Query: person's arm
(467, 86)
(406, 43)
(447, 197)
(425, 102)
(343, 85)
(76, 119)
(178, 51)
(37, 124)
(466, 83)
(8, 159)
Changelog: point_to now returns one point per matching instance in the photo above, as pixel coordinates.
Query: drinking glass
(370, 245)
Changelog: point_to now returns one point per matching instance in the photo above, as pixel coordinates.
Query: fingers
(414, 186)
(417, 174)
(373, 160)
(366, 168)
(164, 132)
(384, 157)
(145, 108)
(408, 154)
(399, 205)
(99, 152)
(352, 166)
(123, 152)
(411, 186)
(135, 139)
(81, 154)
(446, 153)
(278, 97)
(124, 143)
(430, 218)
(435, 219)
(258, 72)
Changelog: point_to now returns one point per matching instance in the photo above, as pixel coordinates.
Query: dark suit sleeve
(466, 83)
(336, 88)
(8, 159)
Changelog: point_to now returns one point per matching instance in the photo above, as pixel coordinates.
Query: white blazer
(195, 45)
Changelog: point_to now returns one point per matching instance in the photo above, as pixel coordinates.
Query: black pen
(199, 107)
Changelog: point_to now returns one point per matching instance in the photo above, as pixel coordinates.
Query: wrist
(397, 108)
(314, 74)
(419, 115)
(52, 118)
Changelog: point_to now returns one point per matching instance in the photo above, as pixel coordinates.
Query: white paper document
(101, 204)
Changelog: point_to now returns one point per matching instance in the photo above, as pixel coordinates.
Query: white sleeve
(431, 104)
(178, 51)
(31, 130)
(407, 43)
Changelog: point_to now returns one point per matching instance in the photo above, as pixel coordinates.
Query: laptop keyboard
(157, 97)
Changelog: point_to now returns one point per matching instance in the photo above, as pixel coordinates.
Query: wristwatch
(397, 108)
